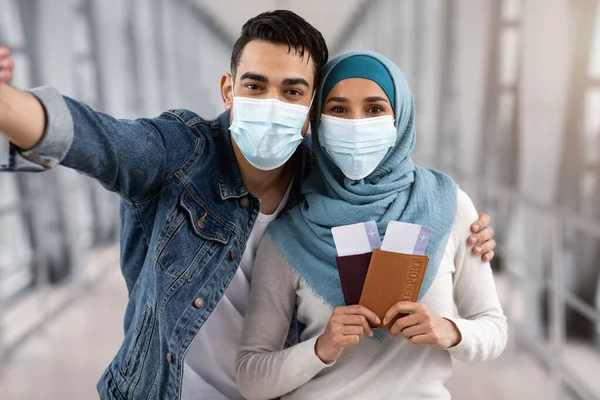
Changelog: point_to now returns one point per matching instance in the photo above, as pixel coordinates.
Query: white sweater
(393, 369)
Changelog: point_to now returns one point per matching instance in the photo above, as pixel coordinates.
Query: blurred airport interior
(508, 103)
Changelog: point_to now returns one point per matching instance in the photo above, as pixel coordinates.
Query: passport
(353, 272)
(391, 278)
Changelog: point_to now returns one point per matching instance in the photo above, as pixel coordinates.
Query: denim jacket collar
(231, 184)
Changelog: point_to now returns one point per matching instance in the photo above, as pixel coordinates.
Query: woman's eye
(338, 110)
(375, 110)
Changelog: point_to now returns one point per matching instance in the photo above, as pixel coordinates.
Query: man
(197, 197)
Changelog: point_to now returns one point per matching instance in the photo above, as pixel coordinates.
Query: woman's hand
(346, 326)
(422, 326)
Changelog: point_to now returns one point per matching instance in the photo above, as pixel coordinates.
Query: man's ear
(227, 91)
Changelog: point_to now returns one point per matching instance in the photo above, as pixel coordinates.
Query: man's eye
(293, 92)
(252, 86)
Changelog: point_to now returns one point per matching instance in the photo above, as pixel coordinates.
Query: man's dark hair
(287, 28)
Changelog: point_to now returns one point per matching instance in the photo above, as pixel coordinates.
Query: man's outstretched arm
(46, 129)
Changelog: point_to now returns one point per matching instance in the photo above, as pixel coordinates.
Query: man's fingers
(482, 222)
(488, 256)
(483, 236)
(5, 76)
(486, 247)
(8, 64)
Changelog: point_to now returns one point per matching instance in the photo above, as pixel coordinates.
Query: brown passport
(353, 271)
(392, 277)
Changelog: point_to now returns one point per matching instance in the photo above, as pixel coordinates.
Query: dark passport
(353, 272)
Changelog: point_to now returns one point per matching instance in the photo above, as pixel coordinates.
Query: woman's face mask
(357, 126)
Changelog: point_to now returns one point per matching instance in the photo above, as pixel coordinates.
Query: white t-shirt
(209, 365)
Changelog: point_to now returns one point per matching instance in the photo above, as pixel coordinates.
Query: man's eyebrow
(295, 81)
(374, 99)
(255, 77)
(337, 99)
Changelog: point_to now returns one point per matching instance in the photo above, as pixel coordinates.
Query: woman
(366, 134)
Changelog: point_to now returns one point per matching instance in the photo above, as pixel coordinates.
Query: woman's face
(357, 98)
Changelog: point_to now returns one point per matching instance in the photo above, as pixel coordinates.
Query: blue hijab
(396, 191)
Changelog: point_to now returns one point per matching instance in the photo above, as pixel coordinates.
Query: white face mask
(357, 146)
(267, 131)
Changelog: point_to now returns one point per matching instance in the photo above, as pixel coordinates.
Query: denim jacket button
(198, 303)
(244, 202)
(233, 254)
(169, 358)
(201, 223)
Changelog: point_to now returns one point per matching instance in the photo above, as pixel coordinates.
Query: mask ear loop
(312, 100)
(309, 114)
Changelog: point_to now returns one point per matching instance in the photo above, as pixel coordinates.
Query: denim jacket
(186, 216)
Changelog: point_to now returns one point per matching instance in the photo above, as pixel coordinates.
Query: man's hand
(346, 326)
(22, 117)
(483, 239)
(6, 65)
(422, 326)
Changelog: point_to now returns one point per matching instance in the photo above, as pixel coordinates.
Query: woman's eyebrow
(374, 99)
(338, 100)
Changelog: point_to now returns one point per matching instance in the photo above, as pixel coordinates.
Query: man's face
(269, 70)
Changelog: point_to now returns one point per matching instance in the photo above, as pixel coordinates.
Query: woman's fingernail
(476, 227)
(472, 240)
(477, 250)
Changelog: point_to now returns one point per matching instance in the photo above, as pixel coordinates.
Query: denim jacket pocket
(140, 341)
(192, 236)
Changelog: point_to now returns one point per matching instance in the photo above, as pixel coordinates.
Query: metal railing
(55, 258)
(51, 224)
(507, 204)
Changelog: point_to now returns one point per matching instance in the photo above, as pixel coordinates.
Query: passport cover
(392, 277)
(353, 271)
